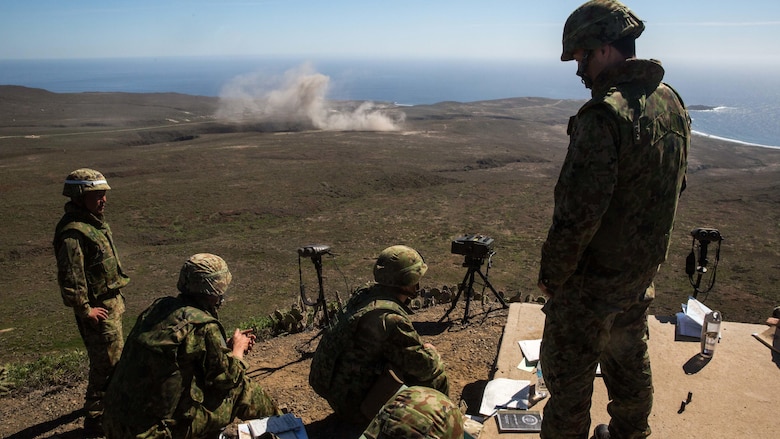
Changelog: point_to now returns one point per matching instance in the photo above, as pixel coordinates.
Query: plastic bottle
(710, 332)
(540, 391)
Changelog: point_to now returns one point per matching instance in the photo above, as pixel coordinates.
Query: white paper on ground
(504, 393)
(530, 349)
(526, 366)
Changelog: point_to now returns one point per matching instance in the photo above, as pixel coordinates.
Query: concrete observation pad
(736, 394)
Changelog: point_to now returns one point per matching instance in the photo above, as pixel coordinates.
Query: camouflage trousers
(246, 401)
(580, 333)
(104, 342)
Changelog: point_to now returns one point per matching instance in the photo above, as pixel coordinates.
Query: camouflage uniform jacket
(372, 333)
(617, 192)
(176, 371)
(88, 268)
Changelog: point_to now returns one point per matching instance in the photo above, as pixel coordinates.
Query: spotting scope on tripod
(314, 252)
(475, 249)
(697, 264)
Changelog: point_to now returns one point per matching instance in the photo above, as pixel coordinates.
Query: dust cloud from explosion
(297, 99)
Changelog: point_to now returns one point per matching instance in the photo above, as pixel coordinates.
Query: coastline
(726, 139)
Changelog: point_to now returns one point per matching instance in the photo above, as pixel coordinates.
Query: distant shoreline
(725, 139)
(697, 107)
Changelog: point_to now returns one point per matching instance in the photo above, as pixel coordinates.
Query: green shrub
(64, 369)
(263, 327)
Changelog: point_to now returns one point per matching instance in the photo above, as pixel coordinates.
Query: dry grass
(183, 183)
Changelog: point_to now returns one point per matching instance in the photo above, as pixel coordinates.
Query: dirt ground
(281, 365)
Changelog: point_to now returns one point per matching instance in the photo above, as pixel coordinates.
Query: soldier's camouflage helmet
(399, 266)
(204, 274)
(417, 413)
(84, 180)
(596, 23)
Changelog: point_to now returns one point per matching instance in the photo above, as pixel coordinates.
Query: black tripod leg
(469, 290)
(489, 285)
(457, 296)
(317, 260)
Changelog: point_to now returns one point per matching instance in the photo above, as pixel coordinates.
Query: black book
(518, 421)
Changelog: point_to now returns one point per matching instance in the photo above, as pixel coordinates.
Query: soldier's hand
(432, 350)
(97, 314)
(250, 333)
(544, 289)
(241, 343)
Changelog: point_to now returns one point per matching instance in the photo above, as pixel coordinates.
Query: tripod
(315, 252)
(473, 264)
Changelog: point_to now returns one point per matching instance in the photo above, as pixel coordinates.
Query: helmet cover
(399, 266)
(84, 180)
(596, 23)
(417, 413)
(204, 274)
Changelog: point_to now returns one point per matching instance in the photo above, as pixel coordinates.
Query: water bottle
(710, 330)
(541, 388)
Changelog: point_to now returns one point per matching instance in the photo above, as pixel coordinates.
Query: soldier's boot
(93, 427)
(601, 432)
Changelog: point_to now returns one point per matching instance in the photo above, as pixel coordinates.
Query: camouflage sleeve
(227, 391)
(222, 370)
(582, 194)
(405, 351)
(71, 276)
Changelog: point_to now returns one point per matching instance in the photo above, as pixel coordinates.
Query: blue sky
(708, 31)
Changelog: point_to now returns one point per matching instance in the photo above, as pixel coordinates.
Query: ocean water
(742, 105)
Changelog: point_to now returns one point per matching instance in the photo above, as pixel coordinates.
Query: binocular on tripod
(697, 261)
(315, 252)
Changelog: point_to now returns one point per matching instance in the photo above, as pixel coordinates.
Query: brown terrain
(253, 191)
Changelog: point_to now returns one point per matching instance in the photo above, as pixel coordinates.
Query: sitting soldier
(372, 348)
(179, 376)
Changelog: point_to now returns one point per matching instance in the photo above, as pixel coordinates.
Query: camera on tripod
(473, 246)
(706, 235)
(313, 250)
(476, 248)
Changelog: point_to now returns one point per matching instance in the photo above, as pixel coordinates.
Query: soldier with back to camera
(615, 203)
(180, 376)
(372, 348)
(90, 278)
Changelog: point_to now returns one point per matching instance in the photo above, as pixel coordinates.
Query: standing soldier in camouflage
(90, 279)
(417, 413)
(615, 203)
(179, 376)
(372, 348)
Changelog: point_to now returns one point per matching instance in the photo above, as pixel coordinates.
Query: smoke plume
(297, 100)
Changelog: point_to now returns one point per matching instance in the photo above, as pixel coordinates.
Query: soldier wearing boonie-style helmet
(372, 348)
(180, 376)
(615, 203)
(90, 278)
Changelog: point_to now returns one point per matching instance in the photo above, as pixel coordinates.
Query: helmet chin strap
(411, 291)
(582, 68)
